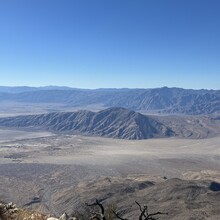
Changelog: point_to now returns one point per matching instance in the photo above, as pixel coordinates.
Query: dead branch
(98, 216)
(144, 213)
(142, 209)
(117, 216)
(150, 216)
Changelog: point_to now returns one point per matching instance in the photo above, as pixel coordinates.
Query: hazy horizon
(69, 87)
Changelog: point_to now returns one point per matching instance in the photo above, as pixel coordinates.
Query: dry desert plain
(54, 173)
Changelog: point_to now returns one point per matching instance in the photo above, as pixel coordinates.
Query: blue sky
(110, 43)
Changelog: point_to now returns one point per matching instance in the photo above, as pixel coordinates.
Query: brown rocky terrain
(181, 199)
(58, 173)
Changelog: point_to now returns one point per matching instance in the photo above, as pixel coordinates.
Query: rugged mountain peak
(112, 122)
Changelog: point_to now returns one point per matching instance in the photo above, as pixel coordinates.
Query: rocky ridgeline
(113, 122)
(163, 100)
(9, 211)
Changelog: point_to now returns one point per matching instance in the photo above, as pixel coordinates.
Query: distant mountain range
(18, 89)
(160, 100)
(113, 122)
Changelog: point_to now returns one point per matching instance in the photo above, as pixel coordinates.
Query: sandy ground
(168, 157)
(7, 135)
(10, 109)
(54, 167)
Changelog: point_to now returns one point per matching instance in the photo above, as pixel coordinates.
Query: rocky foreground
(9, 211)
(174, 199)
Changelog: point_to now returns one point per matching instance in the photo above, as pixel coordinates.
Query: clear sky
(110, 43)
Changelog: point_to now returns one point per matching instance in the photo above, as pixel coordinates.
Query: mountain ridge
(161, 100)
(112, 122)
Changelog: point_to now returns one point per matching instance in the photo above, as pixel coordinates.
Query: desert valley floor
(51, 172)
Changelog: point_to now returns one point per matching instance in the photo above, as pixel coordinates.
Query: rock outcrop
(9, 211)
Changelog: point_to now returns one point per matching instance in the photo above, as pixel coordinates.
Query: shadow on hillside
(214, 186)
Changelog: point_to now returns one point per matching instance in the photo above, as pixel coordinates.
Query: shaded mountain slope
(182, 199)
(188, 126)
(113, 122)
(169, 100)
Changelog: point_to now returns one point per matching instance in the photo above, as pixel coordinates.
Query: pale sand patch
(170, 157)
(212, 175)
